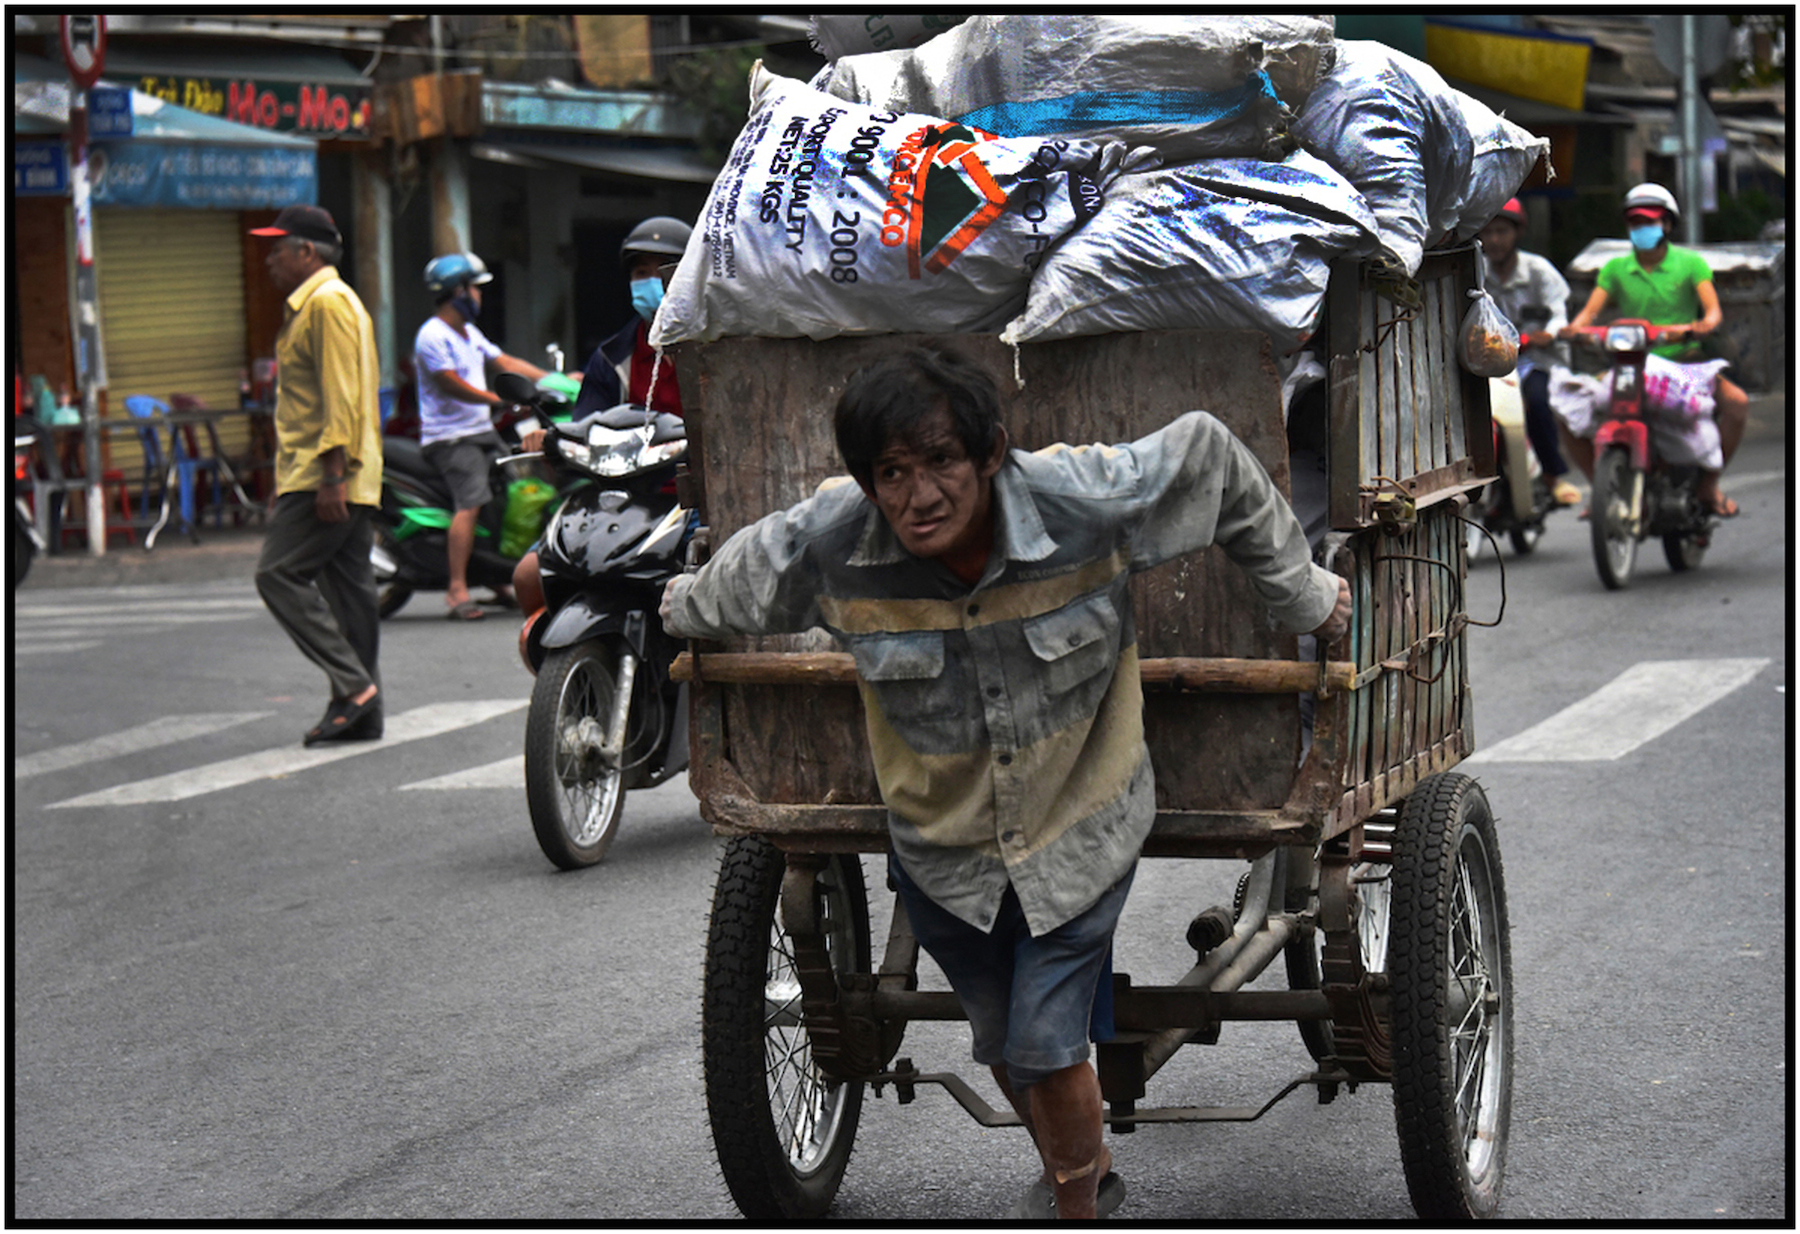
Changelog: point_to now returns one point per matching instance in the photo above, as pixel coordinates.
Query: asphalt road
(332, 996)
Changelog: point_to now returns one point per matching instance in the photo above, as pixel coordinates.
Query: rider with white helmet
(456, 430)
(1667, 285)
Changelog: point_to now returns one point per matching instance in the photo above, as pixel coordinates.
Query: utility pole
(1690, 131)
(84, 51)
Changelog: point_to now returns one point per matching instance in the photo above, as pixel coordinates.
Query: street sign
(109, 112)
(84, 47)
(1712, 42)
(40, 169)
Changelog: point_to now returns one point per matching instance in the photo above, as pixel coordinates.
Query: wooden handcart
(1374, 871)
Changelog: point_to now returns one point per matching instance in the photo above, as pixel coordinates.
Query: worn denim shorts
(1031, 1002)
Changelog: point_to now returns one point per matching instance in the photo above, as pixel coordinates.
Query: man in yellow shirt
(314, 573)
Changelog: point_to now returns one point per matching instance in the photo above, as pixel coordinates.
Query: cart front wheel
(782, 1130)
(1450, 966)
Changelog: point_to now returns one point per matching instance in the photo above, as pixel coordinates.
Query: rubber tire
(745, 943)
(1524, 539)
(544, 790)
(1445, 857)
(19, 564)
(1684, 552)
(1614, 554)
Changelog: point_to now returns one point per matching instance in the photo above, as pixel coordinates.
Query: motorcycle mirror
(514, 388)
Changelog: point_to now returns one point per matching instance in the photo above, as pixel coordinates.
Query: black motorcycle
(412, 529)
(605, 717)
(27, 542)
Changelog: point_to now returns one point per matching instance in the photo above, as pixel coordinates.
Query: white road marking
(137, 619)
(130, 741)
(1640, 704)
(151, 606)
(1750, 479)
(507, 773)
(421, 722)
(47, 649)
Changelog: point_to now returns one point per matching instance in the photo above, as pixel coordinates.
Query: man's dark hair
(888, 400)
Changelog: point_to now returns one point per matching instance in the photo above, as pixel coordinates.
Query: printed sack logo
(941, 196)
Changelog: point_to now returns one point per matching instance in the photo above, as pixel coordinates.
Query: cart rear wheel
(782, 1130)
(1609, 515)
(1450, 969)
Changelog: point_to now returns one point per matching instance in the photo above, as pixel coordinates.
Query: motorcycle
(1637, 495)
(412, 528)
(27, 541)
(604, 717)
(1517, 502)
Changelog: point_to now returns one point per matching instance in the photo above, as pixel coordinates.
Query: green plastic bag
(526, 499)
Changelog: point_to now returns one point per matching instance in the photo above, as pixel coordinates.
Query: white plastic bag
(1191, 87)
(1488, 344)
(836, 35)
(834, 218)
(1221, 244)
(1679, 406)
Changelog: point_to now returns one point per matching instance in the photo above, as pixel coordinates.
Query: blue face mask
(1646, 237)
(646, 294)
(465, 304)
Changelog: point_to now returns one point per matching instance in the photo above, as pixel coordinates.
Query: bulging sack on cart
(1191, 87)
(1396, 131)
(1502, 155)
(835, 218)
(836, 35)
(1222, 244)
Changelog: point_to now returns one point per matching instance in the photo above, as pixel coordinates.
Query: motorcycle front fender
(1634, 435)
(582, 618)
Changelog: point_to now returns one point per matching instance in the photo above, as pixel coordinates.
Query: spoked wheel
(1450, 969)
(391, 594)
(1371, 892)
(1609, 517)
(575, 790)
(783, 1130)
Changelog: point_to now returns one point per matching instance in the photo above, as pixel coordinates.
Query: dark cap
(304, 222)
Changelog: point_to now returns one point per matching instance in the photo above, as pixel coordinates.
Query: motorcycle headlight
(628, 458)
(1627, 338)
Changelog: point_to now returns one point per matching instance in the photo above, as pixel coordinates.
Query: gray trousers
(317, 579)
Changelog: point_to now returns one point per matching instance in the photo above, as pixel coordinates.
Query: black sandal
(345, 721)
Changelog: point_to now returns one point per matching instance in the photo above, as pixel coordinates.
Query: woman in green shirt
(1666, 285)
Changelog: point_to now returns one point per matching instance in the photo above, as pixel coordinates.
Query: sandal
(1722, 506)
(1039, 1201)
(347, 721)
(468, 610)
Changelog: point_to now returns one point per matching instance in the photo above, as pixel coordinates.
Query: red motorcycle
(1637, 495)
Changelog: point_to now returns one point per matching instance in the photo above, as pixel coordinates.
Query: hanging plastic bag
(1487, 345)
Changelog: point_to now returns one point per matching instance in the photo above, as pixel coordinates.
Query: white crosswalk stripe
(56, 625)
(130, 741)
(54, 648)
(432, 720)
(1640, 704)
(507, 773)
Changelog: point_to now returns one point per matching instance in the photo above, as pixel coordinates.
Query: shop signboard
(40, 169)
(202, 177)
(311, 110)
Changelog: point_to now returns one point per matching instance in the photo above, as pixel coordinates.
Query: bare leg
(528, 588)
(1063, 1113)
(1579, 450)
(1732, 411)
(462, 544)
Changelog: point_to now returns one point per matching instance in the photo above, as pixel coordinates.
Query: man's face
(290, 262)
(644, 266)
(937, 499)
(1498, 238)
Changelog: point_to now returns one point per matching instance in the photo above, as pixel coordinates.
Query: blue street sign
(40, 169)
(109, 112)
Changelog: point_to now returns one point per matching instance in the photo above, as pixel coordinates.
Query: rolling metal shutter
(171, 312)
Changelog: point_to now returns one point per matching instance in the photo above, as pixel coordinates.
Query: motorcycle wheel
(1615, 547)
(391, 596)
(19, 564)
(1450, 977)
(1684, 550)
(782, 1130)
(1525, 538)
(575, 802)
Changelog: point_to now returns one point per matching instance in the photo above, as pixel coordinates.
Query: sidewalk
(223, 554)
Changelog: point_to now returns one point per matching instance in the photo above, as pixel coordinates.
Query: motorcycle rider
(620, 369)
(1532, 294)
(456, 407)
(1667, 285)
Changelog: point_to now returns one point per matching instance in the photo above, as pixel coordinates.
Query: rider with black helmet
(456, 428)
(620, 368)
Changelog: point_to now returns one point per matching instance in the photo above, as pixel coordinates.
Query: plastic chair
(208, 463)
(143, 406)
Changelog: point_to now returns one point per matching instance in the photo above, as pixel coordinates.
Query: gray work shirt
(1533, 297)
(1006, 719)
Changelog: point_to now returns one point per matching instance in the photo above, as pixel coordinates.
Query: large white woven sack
(836, 35)
(834, 218)
(1223, 244)
(1192, 87)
